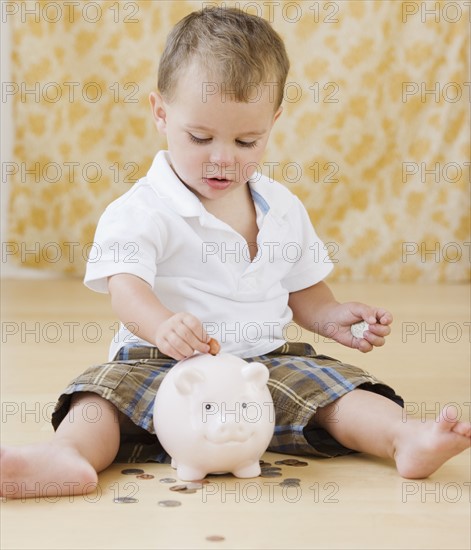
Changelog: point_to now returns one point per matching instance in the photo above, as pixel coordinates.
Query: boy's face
(215, 143)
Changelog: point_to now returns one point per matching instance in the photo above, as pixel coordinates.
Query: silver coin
(183, 489)
(132, 471)
(287, 461)
(169, 503)
(357, 329)
(194, 485)
(167, 480)
(292, 480)
(215, 538)
(271, 474)
(125, 500)
(299, 463)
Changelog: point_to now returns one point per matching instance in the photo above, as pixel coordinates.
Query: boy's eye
(248, 144)
(202, 141)
(195, 139)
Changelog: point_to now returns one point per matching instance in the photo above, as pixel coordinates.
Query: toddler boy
(209, 247)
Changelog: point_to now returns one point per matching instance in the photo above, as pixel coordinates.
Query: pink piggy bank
(215, 414)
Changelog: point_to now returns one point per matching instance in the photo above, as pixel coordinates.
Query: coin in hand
(214, 347)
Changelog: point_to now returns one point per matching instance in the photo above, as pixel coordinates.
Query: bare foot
(44, 469)
(424, 446)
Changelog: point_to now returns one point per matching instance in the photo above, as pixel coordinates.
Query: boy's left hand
(343, 316)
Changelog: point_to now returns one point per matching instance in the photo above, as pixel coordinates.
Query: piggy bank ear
(256, 373)
(186, 380)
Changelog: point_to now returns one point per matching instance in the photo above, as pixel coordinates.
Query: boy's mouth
(217, 183)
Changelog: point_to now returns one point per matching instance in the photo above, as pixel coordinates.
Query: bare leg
(85, 443)
(370, 423)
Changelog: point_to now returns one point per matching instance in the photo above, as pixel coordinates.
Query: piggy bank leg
(189, 473)
(174, 464)
(252, 470)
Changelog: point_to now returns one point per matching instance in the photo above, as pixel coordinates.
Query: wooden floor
(51, 330)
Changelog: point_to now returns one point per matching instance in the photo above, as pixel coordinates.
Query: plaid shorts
(300, 382)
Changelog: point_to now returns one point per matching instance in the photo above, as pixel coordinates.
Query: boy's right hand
(181, 335)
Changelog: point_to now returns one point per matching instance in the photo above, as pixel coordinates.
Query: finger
(168, 349)
(379, 330)
(363, 312)
(384, 317)
(372, 315)
(189, 340)
(189, 331)
(180, 346)
(364, 346)
(376, 341)
(196, 327)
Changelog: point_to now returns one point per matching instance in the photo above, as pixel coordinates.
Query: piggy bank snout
(229, 432)
(233, 422)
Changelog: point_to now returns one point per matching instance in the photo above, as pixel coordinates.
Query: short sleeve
(313, 262)
(127, 240)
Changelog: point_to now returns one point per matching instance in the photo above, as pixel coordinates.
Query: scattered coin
(194, 485)
(145, 476)
(292, 480)
(215, 538)
(167, 480)
(286, 483)
(178, 488)
(132, 471)
(263, 463)
(169, 503)
(271, 468)
(271, 474)
(125, 500)
(291, 462)
(183, 489)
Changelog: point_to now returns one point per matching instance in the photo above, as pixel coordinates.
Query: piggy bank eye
(208, 406)
(244, 405)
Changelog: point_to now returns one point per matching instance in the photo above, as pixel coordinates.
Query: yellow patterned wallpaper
(374, 137)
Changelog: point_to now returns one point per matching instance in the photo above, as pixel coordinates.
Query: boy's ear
(277, 114)
(158, 111)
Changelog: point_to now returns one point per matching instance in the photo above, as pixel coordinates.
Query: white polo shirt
(160, 231)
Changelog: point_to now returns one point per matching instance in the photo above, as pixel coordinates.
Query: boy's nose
(222, 156)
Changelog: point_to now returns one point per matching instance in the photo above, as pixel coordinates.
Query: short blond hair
(235, 48)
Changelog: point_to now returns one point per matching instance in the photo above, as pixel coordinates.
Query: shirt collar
(171, 189)
(269, 196)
